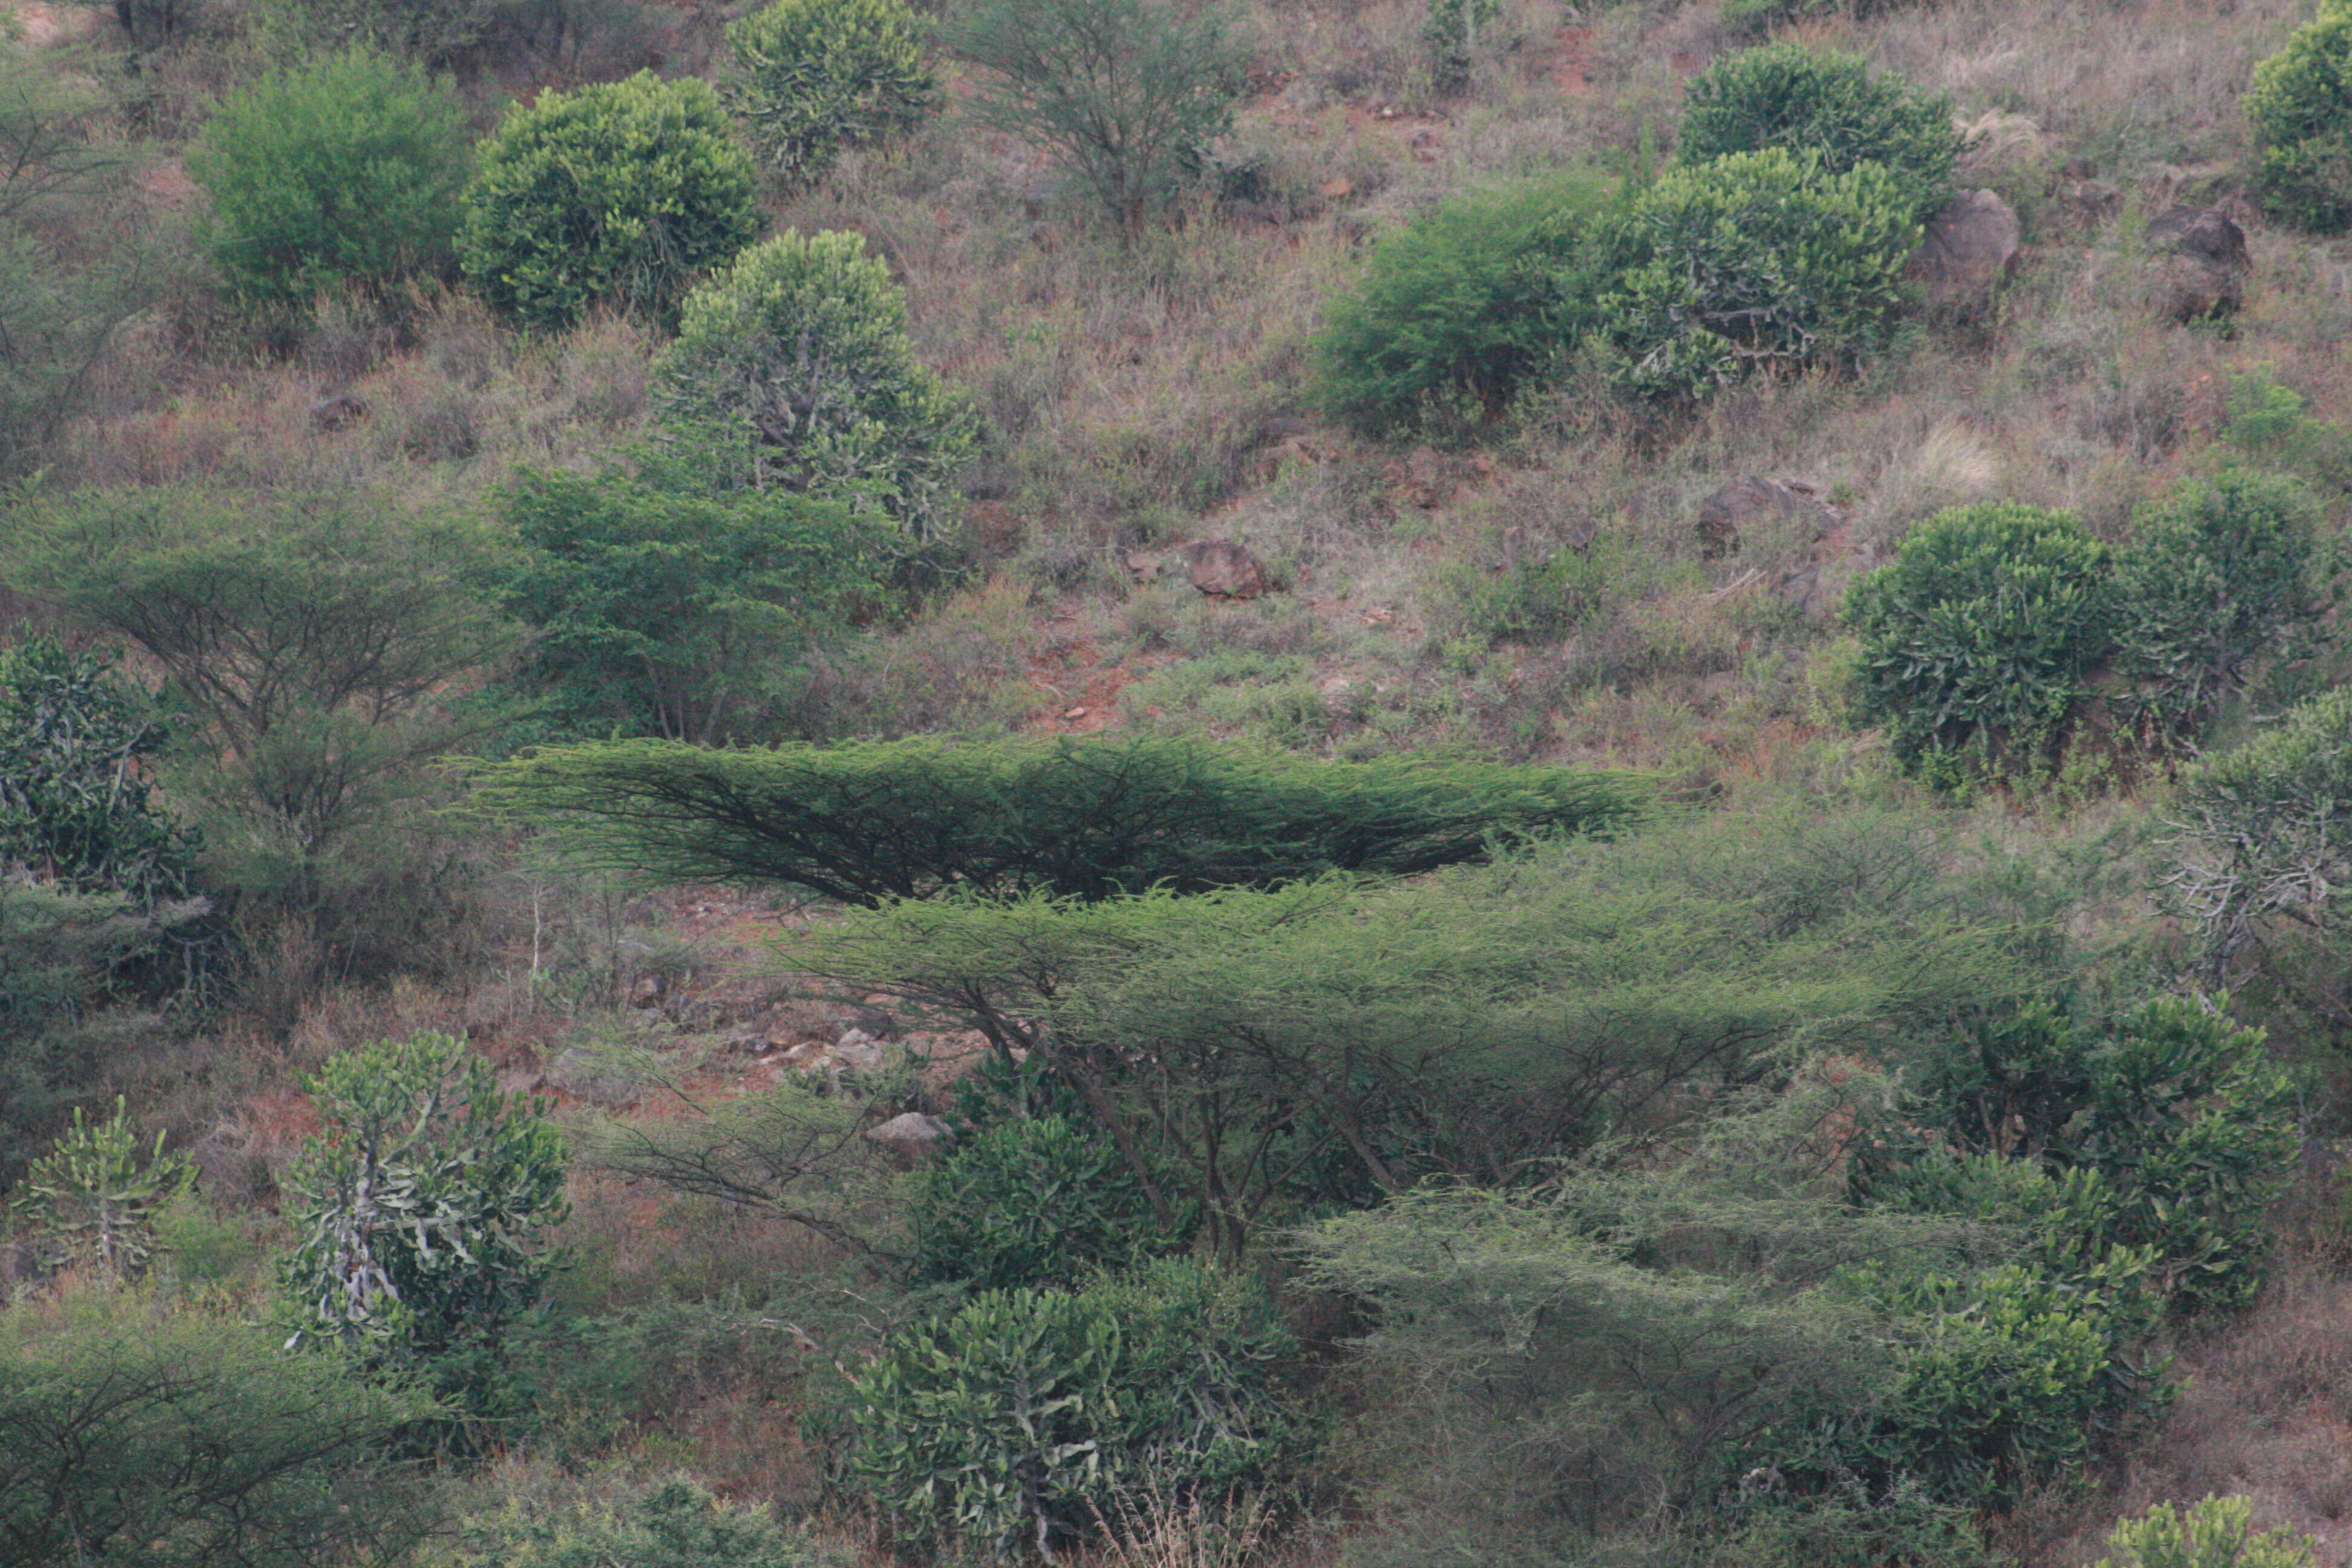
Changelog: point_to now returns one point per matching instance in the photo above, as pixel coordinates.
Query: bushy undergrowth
(2301, 105)
(1805, 101)
(812, 77)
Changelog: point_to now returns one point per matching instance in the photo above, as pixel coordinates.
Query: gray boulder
(1969, 246)
(2201, 262)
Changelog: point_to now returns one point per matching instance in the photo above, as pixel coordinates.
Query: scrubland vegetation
(1175, 785)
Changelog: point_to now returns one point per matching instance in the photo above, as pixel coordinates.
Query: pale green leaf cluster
(812, 77)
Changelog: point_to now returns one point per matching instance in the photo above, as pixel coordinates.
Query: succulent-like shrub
(1976, 639)
(2220, 572)
(1812, 101)
(1463, 305)
(2301, 104)
(344, 170)
(620, 192)
(1759, 261)
(803, 344)
(1021, 1417)
(1041, 1201)
(2218, 1532)
(1452, 33)
(812, 76)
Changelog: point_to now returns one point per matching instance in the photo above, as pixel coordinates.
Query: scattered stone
(1749, 504)
(2202, 262)
(2092, 201)
(857, 1051)
(910, 1135)
(339, 411)
(647, 991)
(1970, 244)
(1220, 568)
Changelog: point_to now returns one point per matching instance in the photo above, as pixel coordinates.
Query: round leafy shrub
(673, 1523)
(1461, 307)
(1975, 640)
(2220, 572)
(1040, 1201)
(1786, 95)
(1021, 1417)
(620, 192)
(812, 76)
(1756, 261)
(802, 343)
(1452, 31)
(2218, 1532)
(2301, 104)
(344, 170)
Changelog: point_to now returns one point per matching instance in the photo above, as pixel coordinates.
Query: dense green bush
(129, 1434)
(662, 611)
(617, 193)
(1810, 100)
(419, 1204)
(1131, 93)
(1039, 1201)
(346, 170)
(869, 821)
(1017, 1421)
(2220, 572)
(812, 76)
(1759, 261)
(60, 954)
(1453, 33)
(2301, 104)
(801, 345)
(1975, 639)
(1462, 306)
(2218, 1532)
(673, 1523)
(93, 1197)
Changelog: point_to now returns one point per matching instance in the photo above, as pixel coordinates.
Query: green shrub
(666, 612)
(619, 193)
(671, 1524)
(1759, 261)
(812, 77)
(1536, 601)
(870, 822)
(93, 1197)
(133, 1436)
(2301, 104)
(1808, 100)
(1131, 93)
(2220, 572)
(1453, 33)
(419, 1204)
(60, 954)
(1029, 1202)
(2218, 1532)
(1018, 1419)
(801, 345)
(1975, 640)
(1462, 306)
(346, 170)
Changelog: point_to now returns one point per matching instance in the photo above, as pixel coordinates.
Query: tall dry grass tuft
(1163, 1529)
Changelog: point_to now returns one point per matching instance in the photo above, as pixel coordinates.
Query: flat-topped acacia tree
(868, 822)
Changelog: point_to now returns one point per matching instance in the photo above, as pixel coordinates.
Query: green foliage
(673, 1523)
(345, 170)
(1759, 16)
(660, 610)
(1808, 101)
(419, 1206)
(872, 821)
(1131, 93)
(59, 955)
(133, 1436)
(1453, 33)
(1759, 261)
(2218, 1532)
(2301, 106)
(1853, 1528)
(801, 345)
(1017, 1420)
(1542, 600)
(615, 194)
(76, 805)
(2220, 572)
(1469, 303)
(93, 1197)
(1029, 1202)
(1975, 640)
(812, 77)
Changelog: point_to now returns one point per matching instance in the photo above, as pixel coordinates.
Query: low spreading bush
(801, 346)
(671, 1524)
(2218, 1532)
(1811, 100)
(1465, 305)
(1021, 1418)
(812, 77)
(1975, 640)
(2301, 104)
(617, 193)
(1759, 261)
(1035, 1201)
(343, 171)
